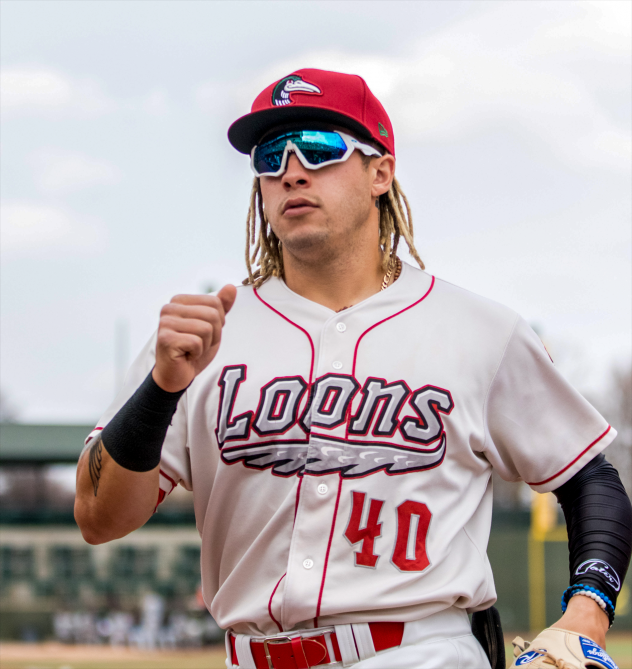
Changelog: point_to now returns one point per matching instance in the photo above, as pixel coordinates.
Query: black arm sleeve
(134, 437)
(599, 521)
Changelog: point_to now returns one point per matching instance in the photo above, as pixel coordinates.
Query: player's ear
(382, 172)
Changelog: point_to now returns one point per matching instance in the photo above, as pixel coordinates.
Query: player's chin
(305, 239)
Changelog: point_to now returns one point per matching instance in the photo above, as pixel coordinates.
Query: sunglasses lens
(317, 147)
(320, 147)
(269, 155)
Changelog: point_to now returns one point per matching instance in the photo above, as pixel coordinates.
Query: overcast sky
(119, 188)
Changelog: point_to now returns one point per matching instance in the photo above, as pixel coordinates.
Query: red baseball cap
(315, 95)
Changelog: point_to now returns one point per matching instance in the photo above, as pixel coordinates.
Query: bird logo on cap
(292, 84)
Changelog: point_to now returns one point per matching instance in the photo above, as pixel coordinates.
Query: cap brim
(246, 131)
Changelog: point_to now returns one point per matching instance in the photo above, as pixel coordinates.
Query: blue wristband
(578, 587)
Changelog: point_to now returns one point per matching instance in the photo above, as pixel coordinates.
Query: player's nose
(295, 174)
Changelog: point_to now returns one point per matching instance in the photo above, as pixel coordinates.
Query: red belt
(283, 652)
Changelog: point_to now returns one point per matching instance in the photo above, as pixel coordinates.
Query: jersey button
(341, 327)
(336, 364)
(322, 488)
(308, 564)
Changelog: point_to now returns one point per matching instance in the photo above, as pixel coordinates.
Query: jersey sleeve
(175, 465)
(539, 429)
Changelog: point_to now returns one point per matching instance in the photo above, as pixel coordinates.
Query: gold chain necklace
(387, 278)
(395, 265)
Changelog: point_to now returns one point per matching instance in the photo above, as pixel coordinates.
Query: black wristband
(599, 521)
(134, 437)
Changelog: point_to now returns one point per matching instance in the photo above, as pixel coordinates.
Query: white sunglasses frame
(351, 142)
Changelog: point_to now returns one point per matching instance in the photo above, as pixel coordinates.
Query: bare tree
(616, 406)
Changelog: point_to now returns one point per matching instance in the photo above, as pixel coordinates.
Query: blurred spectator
(183, 630)
(120, 626)
(147, 634)
(63, 627)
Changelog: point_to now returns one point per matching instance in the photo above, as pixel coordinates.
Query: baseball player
(338, 417)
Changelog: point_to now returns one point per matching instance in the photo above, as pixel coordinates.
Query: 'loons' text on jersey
(294, 430)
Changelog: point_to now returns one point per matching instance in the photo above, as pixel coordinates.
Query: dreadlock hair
(264, 248)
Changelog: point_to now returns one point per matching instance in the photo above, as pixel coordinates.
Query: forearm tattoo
(95, 458)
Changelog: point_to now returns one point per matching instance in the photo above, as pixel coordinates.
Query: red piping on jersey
(298, 490)
(355, 353)
(331, 536)
(163, 493)
(355, 357)
(311, 371)
(96, 429)
(303, 330)
(298, 496)
(173, 483)
(570, 464)
(161, 496)
(276, 622)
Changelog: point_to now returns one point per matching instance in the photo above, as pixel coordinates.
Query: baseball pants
(443, 640)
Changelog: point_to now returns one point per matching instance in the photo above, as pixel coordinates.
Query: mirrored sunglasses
(314, 148)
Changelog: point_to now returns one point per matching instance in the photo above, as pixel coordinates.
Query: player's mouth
(298, 206)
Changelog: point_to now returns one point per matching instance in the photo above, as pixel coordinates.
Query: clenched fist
(189, 335)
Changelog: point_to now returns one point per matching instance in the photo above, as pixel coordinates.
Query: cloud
(39, 90)
(60, 172)
(22, 88)
(597, 25)
(155, 103)
(208, 96)
(30, 229)
(44, 91)
(547, 70)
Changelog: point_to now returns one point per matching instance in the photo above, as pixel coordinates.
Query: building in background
(140, 590)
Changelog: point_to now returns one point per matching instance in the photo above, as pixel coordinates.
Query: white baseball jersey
(341, 463)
